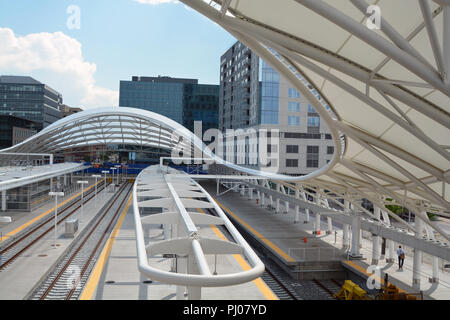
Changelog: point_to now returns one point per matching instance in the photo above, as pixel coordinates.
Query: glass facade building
(182, 100)
(30, 99)
(14, 130)
(254, 95)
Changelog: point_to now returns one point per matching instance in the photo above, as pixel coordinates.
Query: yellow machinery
(351, 291)
(391, 292)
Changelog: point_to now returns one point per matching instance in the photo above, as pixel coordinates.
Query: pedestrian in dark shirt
(401, 257)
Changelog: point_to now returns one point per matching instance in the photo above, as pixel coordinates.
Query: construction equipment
(391, 292)
(351, 291)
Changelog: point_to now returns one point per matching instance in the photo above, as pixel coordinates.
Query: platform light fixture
(56, 195)
(82, 182)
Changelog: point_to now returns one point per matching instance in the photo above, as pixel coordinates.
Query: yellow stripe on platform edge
(92, 283)
(266, 291)
(273, 246)
(26, 224)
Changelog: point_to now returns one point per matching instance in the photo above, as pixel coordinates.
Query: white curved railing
(190, 243)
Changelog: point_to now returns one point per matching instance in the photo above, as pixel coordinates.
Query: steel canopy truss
(389, 88)
(174, 192)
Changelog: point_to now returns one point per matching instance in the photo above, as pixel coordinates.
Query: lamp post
(118, 167)
(56, 195)
(105, 172)
(82, 182)
(96, 176)
(112, 181)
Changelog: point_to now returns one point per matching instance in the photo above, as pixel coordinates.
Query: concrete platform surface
(18, 278)
(279, 233)
(121, 280)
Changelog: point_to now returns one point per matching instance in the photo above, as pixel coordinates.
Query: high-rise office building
(27, 98)
(68, 111)
(182, 100)
(254, 95)
(14, 130)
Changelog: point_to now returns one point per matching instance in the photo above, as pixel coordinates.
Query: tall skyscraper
(182, 100)
(254, 95)
(27, 98)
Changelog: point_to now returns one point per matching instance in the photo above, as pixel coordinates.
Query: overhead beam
(376, 41)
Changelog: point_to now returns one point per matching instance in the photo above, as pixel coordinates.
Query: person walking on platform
(401, 257)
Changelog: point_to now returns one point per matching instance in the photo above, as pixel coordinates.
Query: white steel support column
(346, 228)
(297, 214)
(181, 268)
(390, 257)
(435, 262)
(356, 233)
(346, 236)
(278, 206)
(329, 225)
(4, 200)
(194, 293)
(286, 206)
(317, 224)
(250, 193)
(306, 215)
(417, 262)
(262, 198)
(376, 241)
(271, 200)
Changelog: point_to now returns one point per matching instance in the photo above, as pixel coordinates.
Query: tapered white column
(356, 233)
(250, 193)
(4, 200)
(317, 224)
(346, 236)
(346, 228)
(262, 198)
(390, 257)
(376, 241)
(417, 259)
(286, 206)
(297, 214)
(306, 216)
(181, 268)
(278, 206)
(330, 225)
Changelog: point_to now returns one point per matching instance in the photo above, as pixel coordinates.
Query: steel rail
(81, 245)
(47, 219)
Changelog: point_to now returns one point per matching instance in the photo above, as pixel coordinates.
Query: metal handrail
(204, 280)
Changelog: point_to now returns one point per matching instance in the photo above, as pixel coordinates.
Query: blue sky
(116, 40)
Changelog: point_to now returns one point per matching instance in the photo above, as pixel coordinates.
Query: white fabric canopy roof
(389, 89)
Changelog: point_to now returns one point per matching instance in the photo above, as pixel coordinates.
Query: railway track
(13, 248)
(66, 279)
(282, 284)
(330, 286)
(273, 276)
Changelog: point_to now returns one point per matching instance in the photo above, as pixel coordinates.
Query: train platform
(306, 256)
(19, 277)
(22, 219)
(116, 275)
(286, 240)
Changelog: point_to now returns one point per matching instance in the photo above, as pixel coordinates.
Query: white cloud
(58, 60)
